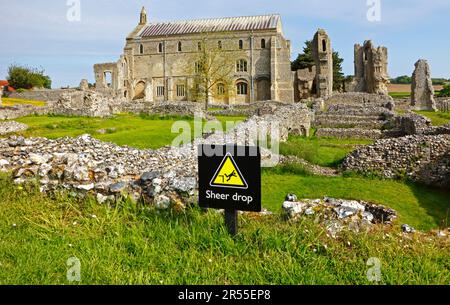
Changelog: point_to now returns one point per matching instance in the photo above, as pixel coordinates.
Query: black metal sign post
(230, 179)
(231, 221)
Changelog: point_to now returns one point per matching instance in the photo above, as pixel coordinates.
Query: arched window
(141, 49)
(125, 93)
(241, 44)
(241, 65)
(199, 46)
(220, 89)
(180, 47)
(160, 47)
(219, 44)
(242, 88)
(324, 45)
(263, 43)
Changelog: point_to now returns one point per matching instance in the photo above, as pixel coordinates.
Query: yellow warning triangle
(229, 175)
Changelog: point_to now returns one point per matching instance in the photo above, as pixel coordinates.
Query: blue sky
(37, 32)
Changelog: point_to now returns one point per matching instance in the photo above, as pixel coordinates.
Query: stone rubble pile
(11, 126)
(338, 214)
(86, 165)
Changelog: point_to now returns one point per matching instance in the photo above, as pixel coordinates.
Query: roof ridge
(214, 18)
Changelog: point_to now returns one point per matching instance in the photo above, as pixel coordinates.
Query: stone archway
(263, 89)
(139, 91)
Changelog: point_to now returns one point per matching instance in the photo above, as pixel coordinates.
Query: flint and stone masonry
(153, 65)
(371, 72)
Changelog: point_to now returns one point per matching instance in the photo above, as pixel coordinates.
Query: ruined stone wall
(18, 111)
(41, 95)
(362, 99)
(422, 158)
(371, 72)
(414, 124)
(349, 133)
(304, 83)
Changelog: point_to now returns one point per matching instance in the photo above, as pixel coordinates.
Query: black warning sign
(229, 177)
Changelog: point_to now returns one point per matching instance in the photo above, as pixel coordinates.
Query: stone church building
(153, 65)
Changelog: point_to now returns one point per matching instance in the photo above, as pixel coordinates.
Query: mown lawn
(438, 118)
(419, 206)
(16, 101)
(130, 244)
(140, 131)
(322, 151)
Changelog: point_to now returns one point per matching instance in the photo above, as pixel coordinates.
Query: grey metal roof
(264, 22)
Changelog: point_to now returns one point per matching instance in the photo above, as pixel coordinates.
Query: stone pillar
(323, 57)
(273, 69)
(149, 91)
(422, 90)
(170, 89)
(189, 89)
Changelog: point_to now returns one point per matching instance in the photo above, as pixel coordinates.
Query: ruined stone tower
(323, 57)
(371, 73)
(422, 90)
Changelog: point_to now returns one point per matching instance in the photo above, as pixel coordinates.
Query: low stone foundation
(422, 158)
(11, 126)
(348, 133)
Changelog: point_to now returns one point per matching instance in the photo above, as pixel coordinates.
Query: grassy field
(135, 244)
(322, 151)
(129, 244)
(422, 207)
(400, 95)
(437, 118)
(15, 101)
(124, 129)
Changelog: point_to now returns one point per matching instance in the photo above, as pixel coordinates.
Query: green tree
(402, 80)
(213, 65)
(306, 60)
(445, 92)
(24, 77)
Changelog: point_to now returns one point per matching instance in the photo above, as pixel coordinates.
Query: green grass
(422, 207)
(17, 101)
(140, 131)
(130, 244)
(438, 118)
(322, 151)
(400, 94)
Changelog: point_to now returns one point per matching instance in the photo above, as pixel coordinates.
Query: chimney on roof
(143, 19)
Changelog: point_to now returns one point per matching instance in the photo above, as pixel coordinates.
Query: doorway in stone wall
(139, 91)
(263, 89)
